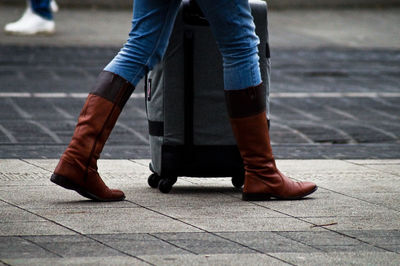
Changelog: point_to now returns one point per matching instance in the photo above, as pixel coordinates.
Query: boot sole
(265, 197)
(68, 184)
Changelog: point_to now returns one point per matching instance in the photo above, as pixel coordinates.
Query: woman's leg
(152, 25)
(77, 169)
(234, 30)
(37, 19)
(42, 8)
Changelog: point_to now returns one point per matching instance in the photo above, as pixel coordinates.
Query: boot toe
(117, 194)
(309, 187)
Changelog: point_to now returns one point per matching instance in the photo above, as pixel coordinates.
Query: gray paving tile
(32, 228)
(349, 248)
(353, 182)
(340, 176)
(183, 194)
(376, 237)
(389, 200)
(52, 197)
(340, 258)
(378, 221)
(323, 238)
(349, 182)
(228, 210)
(267, 242)
(17, 172)
(325, 203)
(317, 166)
(214, 259)
(394, 248)
(203, 243)
(12, 214)
(47, 164)
(139, 244)
(122, 166)
(255, 223)
(114, 220)
(73, 246)
(114, 260)
(143, 162)
(393, 169)
(21, 179)
(373, 233)
(210, 204)
(17, 247)
(123, 237)
(18, 166)
(211, 183)
(375, 162)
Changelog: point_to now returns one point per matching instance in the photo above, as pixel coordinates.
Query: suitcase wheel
(238, 181)
(153, 180)
(165, 184)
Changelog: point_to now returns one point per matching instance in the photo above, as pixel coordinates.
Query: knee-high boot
(263, 180)
(77, 168)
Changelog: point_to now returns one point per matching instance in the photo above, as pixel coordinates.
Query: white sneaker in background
(30, 24)
(54, 6)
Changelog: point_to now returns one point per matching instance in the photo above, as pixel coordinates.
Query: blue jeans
(42, 8)
(231, 23)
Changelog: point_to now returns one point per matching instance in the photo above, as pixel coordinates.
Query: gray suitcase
(189, 130)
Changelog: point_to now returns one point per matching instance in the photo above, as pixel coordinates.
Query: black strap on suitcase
(192, 15)
(188, 94)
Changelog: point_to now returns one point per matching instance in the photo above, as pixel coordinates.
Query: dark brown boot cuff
(113, 88)
(246, 102)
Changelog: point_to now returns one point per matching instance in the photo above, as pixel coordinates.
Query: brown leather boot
(263, 180)
(77, 169)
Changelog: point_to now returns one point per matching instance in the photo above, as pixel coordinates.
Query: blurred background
(335, 79)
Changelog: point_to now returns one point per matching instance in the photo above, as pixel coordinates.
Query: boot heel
(66, 183)
(63, 182)
(255, 197)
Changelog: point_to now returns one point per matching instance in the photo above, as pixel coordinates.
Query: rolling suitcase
(189, 128)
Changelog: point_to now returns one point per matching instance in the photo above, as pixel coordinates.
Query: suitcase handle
(188, 94)
(192, 14)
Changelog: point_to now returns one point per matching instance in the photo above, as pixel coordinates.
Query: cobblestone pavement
(326, 103)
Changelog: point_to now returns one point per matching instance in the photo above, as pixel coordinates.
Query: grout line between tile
(369, 167)
(25, 161)
(298, 241)
(325, 228)
(328, 229)
(172, 244)
(363, 200)
(77, 232)
(201, 229)
(212, 233)
(37, 244)
(137, 163)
